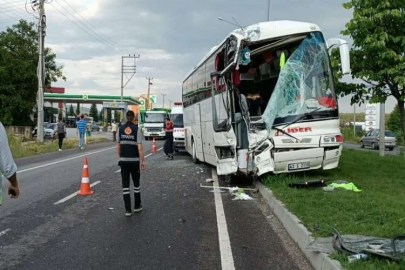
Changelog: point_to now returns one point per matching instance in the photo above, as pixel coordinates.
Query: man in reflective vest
(132, 160)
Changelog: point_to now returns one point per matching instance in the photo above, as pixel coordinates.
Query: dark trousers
(129, 169)
(169, 143)
(61, 136)
(114, 136)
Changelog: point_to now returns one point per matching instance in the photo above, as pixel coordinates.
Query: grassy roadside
(377, 211)
(20, 149)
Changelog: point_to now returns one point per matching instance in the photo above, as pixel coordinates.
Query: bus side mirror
(344, 53)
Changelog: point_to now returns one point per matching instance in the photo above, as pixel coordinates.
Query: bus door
(224, 135)
(199, 139)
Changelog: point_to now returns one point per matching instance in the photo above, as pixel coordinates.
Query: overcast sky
(170, 35)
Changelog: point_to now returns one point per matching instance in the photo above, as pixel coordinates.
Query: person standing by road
(7, 166)
(61, 129)
(114, 130)
(169, 138)
(81, 127)
(132, 160)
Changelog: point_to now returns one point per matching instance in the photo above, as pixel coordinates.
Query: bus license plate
(299, 166)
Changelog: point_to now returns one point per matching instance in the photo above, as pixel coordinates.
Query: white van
(176, 116)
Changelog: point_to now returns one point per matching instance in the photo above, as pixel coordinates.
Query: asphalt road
(181, 226)
(395, 152)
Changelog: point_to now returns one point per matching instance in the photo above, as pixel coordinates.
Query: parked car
(95, 127)
(372, 139)
(48, 133)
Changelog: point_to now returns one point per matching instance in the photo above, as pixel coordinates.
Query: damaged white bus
(263, 101)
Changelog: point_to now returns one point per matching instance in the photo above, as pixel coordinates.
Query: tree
(60, 114)
(18, 72)
(94, 112)
(71, 110)
(394, 123)
(378, 52)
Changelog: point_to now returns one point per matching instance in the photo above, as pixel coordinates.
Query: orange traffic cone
(85, 186)
(154, 146)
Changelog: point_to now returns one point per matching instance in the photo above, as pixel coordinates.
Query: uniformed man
(130, 152)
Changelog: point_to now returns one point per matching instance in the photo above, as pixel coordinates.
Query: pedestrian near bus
(7, 166)
(81, 128)
(169, 138)
(114, 130)
(61, 129)
(131, 161)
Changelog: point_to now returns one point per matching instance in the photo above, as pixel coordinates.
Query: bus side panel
(189, 121)
(208, 140)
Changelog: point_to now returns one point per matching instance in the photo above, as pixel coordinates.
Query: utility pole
(163, 95)
(268, 10)
(39, 4)
(149, 84)
(170, 101)
(127, 70)
(382, 129)
(354, 123)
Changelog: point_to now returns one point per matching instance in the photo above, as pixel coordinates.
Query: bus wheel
(195, 159)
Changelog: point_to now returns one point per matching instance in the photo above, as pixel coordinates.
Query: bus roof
(264, 31)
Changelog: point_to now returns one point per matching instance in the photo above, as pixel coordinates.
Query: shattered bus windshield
(304, 85)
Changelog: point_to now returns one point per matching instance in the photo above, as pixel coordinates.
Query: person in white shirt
(7, 166)
(114, 131)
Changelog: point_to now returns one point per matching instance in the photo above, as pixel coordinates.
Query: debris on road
(209, 180)
(242, 197)
(111, 208)
(217, 191)
(393, 249)
(239, 194)
(182, 220)
(309, 184)
(348, 186)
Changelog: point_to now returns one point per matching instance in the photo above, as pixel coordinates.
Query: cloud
(171, 37)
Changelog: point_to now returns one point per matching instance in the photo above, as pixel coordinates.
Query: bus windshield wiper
(285, 133)
(294, 122)
(302, 117)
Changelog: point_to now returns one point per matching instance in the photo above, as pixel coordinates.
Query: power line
(83, 29)
(100, 38)
(95, 28)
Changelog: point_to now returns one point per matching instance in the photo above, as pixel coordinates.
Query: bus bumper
(306, 159)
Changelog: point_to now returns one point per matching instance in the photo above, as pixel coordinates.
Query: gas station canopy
(89, 99)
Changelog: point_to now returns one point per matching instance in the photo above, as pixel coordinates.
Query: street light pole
(268, 10)
(41, 72)
(149, 84)
(382, 129)
(354, 123)
(163, 95)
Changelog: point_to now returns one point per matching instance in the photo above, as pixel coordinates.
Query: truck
(154, 125)
(176, 116)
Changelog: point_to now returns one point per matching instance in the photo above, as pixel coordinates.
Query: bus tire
(194, 153)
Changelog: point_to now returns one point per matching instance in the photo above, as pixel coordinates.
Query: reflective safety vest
(128, 139)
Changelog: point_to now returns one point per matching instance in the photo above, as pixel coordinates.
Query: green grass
(20, 149)
(379, 210)
(350, 137)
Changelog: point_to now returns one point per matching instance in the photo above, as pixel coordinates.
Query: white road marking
(223, 236)
(148, 155)
(64, 160)
(74, 194)
(95, 183)
(4, 232)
